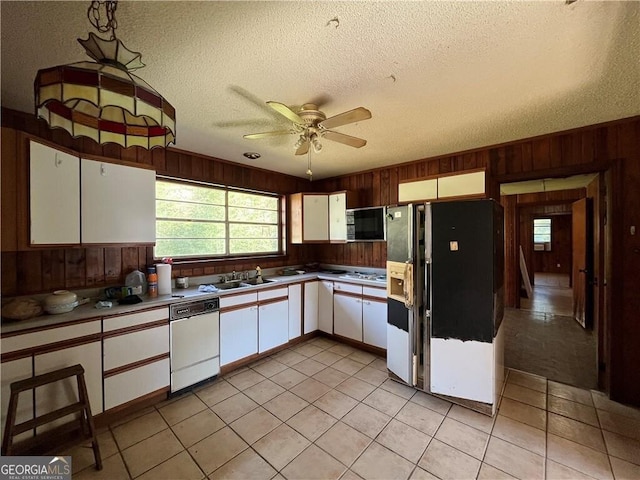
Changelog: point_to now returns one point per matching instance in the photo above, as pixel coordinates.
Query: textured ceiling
(438, 77)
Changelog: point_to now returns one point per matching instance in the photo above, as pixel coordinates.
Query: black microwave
(366, 224)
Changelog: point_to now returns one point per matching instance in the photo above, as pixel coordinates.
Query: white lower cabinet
(311, 306)
(347, 316)
(273, 325)
(135, 383)
(132, 347)
(13, 371)
(139, 380)
(65, 392)
(295, 311)
(325, 306)
(238, 334)
(135, 351)
(374, 323)
(360, 313)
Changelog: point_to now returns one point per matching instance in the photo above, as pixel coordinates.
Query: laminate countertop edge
(88, 311)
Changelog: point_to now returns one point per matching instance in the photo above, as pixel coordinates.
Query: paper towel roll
(164, 278)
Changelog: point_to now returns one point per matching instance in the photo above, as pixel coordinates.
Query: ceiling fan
(312, 125)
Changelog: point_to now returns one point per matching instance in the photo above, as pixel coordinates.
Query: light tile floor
(323, 410)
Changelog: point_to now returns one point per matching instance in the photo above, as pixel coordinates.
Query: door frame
(607, 255)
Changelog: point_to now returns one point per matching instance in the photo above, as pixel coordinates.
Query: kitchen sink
(230, 285)
(253, 282)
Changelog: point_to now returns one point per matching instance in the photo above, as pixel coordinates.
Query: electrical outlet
(558, 265)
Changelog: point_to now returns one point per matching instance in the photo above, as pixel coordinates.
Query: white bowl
(60, 301)
(61, 308)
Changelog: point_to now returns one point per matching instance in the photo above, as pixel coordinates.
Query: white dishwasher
(194, 330)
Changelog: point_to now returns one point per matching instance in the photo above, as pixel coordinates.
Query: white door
(325, 306)
(347, 316)
(273, 325)
(65, 392)
(338, 217)
(54, 196)
(374, 323)
(295, 310)
(311, 307)
(315, 217)
(118, 203)
(238, 334)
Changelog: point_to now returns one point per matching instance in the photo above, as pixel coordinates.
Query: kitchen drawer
(273, 293)
(375, 292)
(347, 287)
(125, 349)
(132, 384)
(238, 299)
(134, 319)
(50, 335)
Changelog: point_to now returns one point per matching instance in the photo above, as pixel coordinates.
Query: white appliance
(195, 342)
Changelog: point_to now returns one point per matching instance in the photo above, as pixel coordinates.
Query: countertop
(88, 311)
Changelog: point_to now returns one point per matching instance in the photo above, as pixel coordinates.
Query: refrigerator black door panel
(399, 233)
(462, 269)
(397, 314)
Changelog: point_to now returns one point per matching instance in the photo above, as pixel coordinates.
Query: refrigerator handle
(407, 285)
(427, 287)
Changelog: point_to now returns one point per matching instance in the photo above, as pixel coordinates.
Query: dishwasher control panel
(196, 307)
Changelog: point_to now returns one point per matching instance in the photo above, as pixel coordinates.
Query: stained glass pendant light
(103, 100)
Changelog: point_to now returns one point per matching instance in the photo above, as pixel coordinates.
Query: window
(542, 234)
(201, 220)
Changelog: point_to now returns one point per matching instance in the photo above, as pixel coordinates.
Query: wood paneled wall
(380, 187)
(519, 212)
(613, 147)
(558, 259)
(27, 270)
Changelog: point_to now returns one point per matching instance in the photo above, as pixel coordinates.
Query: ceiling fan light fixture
(315, 141)
(300, 142)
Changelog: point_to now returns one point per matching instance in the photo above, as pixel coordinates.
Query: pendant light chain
(103, 22)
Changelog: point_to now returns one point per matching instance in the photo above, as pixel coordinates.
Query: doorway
(542, 336)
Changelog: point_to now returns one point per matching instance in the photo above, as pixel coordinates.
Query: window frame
(542, 246)
(280, 225)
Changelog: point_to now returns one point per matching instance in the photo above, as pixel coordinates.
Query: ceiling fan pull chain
(309, 172)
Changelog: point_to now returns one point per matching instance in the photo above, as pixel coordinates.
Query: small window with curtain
(196, 220)
(542, 234)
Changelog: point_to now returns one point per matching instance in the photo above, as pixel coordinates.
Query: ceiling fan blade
(267, 134)
(303, 149)
(282, 109)
(351, 116)
(346, 139)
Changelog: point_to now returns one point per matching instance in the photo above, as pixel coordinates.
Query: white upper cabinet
(74, 201)
(54, 196)
(318, 217)
(315, 215)
(118, 203)
(338, 217)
